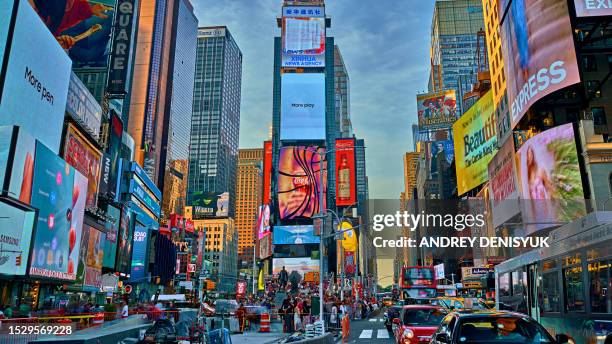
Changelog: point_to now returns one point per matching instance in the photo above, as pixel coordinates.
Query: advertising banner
(111, 160)
(23, 167)
(294, 235)
(350, 265)
(300, 266)
(265, 246)
(241, 289)
(207, 205)
(6, 138)
(538, 51)
(592, 8)
(121, 47)
(504, 184)
(125, 238)
(6, 14)
(302, 106)
(83, 107)
(263, 221)
(33, 96)
(445, 150)
(475, 140)
(139, 253)
(437, 109)
(299, 182)
(303, 41)
(143, 196)
(82, 28)
(59, 192)
(346, 178)
(85, 158)
(349, 237)
(267, 172)
(112, 233)
(16, 226)
(549, 178)
(91, 258)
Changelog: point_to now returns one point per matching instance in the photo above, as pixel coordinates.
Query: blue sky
(385, 45)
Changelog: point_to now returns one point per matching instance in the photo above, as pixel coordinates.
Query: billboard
(139, 253)
(299, 181)
(444, 149)
(267, 172)
(592, 8)
(89, 271)
(538, 51)
(85, 158)
(6, 136)
(207, 205)
(6, 10)
(303, 41)
(124, 241)
(346, 178)
(302, 106)
(503, 184)
(22, 173)
(83, 28)
(549, 178)
(33, 96)
(298, 265)
(16, 226)
(265, 246)
(121, 47)
(294, 235)
(110, 174)
(83, 107)
(59, 193)
(437, 109)
(112, 233)
(263, 221)
(475, 138)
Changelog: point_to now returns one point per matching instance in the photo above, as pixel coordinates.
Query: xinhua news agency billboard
(303, 36)
(538, 51)
(302, 106)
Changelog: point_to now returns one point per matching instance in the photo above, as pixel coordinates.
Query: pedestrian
(333, 319)
(124, 310)
(241, 313)
(297, 316)
(283, 277)
(346, 328)
(284, 313)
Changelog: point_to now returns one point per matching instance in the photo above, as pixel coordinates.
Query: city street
(370, 330)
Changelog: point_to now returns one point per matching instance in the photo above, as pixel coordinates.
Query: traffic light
(18, 260)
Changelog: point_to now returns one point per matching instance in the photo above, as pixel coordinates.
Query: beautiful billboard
(503, 184)
(85, 158)
(302, 106)
(303, 39)
(59, 193)
(267, 172)
(538, 51)
(299, 181)
(475, 137)
(207, 205)
(265, 246)
(297, 265)
(294, 235)
(592, 8)
(83, 107)
(549, 178)
(346, 178)
(16, 226)
(33, 95)
(263, 221)
(437, 109)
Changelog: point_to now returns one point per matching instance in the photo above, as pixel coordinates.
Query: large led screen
(443, 149)
(85, 158)
(89, 272)
(346, 178)
(139, 253)
(436, 109)
(475, 137)
(538, 51)
(16, 227)
(302, 106)
(20, 184)
(267, 172)
(503, 184)
(35, 89)
(549, 178)
(299, 181)
(124, 241)
(263, 221)
(208, 205)
(59, 192)
(300, 266)
(294, 235)
(112, 233)
(303, 42)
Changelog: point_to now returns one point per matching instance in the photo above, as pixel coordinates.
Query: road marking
(382, 319)
(381, 334)
(366, 334)
(373, 319)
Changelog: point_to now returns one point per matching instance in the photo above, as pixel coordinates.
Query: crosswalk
(368, 334)
(377, 319)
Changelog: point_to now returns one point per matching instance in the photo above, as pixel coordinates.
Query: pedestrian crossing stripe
(380, 334)
(382, 320)
(366, 334)
(373, 319)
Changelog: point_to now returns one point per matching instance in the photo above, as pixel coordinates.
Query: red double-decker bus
(418, 282)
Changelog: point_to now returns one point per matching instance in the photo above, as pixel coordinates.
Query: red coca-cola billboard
(346, 192)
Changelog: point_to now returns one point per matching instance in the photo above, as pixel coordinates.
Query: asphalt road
(369, 331)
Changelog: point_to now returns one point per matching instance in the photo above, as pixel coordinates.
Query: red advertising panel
(85, 158)
(267, 171)
(299, 181)
(593, 8)
(346, 192)
(241, 289)
(538, 51)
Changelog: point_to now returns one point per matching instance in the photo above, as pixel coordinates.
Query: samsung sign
(303, 106)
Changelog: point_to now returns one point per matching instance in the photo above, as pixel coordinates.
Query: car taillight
(408, 335)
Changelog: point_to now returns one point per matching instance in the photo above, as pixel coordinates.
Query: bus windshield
(418, 276)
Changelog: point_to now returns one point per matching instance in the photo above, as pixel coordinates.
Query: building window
(551, 299)
(574, 287)
(600, 287)
(589, 63)
(599, 116)
(593, 88)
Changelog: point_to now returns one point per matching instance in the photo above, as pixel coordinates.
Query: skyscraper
(248, 199)
(343, 99)
(213, 156)
(454, 29)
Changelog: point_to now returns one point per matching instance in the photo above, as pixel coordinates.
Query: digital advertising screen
(303, 41)
(208, 205)
(549, 178)
(124, 243)
(85, 158)
(503, 184)
(112, 233)
(299, 181)
(267, 172)
(6, 137)
(23, 167)
(16, 228)
(139, 253)
(475, 137)
(346, 178)
(302, 106)
(538, 51)
(297, 265)
(110, 174)
(6, 10)
(444, 149)
(593, 8)
(437, 109)
(59, 192)
(83, 107)
(294, 235)
(263, 221)
(91, 258)
(265, 246)
(34, 95)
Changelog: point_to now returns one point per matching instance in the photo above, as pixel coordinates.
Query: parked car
(493, 327)
(416, 323)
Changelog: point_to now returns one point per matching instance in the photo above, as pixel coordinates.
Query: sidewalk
(254, 336)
